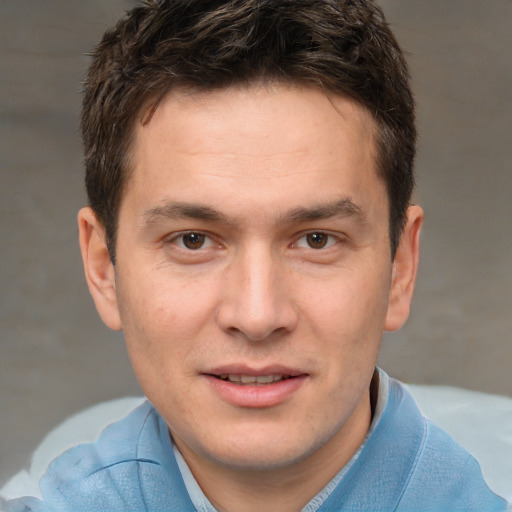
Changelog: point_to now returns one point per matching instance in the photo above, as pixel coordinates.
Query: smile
(246, 387)
(248, 380)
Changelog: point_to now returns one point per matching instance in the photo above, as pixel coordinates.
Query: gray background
(55, 355)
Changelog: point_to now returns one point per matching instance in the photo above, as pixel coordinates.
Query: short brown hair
(342, 46)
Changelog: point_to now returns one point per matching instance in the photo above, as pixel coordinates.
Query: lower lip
(256, 396)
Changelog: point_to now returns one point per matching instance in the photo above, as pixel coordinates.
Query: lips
(242, 386)
(248, 380)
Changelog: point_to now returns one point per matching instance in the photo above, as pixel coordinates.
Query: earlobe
(99, 270)
(405, 267)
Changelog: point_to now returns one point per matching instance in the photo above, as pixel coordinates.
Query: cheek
(349, 306)
(348, 322)
(162, 325)
(159, 297)
(162, 317)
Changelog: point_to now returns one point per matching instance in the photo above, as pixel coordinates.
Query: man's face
(253, 272)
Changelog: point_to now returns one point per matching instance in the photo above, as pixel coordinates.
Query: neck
(282, 489)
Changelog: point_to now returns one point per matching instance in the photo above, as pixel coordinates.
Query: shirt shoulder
(128, 468)
(445, 477)
(407, 464)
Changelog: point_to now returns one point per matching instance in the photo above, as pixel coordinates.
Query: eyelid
(174, 239)
(333, 239)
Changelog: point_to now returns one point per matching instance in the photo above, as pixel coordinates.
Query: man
(249, 167)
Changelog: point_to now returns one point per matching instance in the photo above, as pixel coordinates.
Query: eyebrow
(345, 207)
(341, 208)
(177, 210)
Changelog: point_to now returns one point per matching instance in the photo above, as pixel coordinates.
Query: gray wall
(55, 355)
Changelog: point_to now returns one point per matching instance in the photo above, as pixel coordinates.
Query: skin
(253, 236)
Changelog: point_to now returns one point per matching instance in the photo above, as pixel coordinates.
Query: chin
(264, 453)
(269, 461)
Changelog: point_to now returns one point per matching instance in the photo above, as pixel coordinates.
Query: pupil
(193, 240)
(317, 240)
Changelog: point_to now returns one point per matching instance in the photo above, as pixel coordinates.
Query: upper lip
(241, 369)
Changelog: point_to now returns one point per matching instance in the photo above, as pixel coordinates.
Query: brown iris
(193, 240)
(317, 240)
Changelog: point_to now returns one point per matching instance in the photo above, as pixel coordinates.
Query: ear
(99, 270)
(405, 267)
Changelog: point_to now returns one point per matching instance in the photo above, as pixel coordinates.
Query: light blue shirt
(406, 464)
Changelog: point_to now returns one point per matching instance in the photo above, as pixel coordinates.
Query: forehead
(273, 139)
(249, 109)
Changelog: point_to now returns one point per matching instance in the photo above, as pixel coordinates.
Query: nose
(256, 301)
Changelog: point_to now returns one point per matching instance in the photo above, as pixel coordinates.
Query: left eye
(316, 240)
(193, 241)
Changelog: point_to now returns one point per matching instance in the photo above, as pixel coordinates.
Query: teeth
(251, 379)
(268, 379)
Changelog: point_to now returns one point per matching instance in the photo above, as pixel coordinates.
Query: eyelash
(178, 240)
(330, 240)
